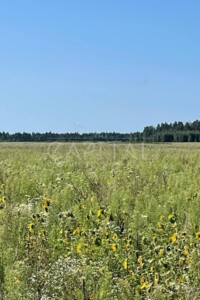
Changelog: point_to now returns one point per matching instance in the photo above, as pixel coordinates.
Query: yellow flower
(161, 252)
(125, 264)
(142, 280)
(46, 204)
(160, 226)
(100, 212)
(47, 201)
(76, 231)
(173, 238)
(170, 216)
(78, 249)
(140, 261)
(182, 279)
(31, 227)
(114, 247)
(186, 250)
(42, 233)
(2, 202)
(143, 283)
(2, 199)
(143, 286)
(197, 234)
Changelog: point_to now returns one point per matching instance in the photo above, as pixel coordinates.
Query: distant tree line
(164, 132)
(173, 132)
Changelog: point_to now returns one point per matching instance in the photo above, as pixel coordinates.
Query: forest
(164, 132)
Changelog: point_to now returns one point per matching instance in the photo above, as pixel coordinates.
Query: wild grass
(99, 221)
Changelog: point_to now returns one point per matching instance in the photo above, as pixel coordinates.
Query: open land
(99, 221)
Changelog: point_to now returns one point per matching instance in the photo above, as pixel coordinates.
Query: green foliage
(99, 221)
(164, 132)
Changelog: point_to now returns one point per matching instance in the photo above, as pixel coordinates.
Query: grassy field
(99, 221)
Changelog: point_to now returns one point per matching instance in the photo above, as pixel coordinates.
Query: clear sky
(98, 65)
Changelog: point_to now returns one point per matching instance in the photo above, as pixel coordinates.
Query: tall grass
(99, 221)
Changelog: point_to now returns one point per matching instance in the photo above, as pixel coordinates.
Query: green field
(83, 221)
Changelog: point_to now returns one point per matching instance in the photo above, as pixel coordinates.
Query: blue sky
(108, 65)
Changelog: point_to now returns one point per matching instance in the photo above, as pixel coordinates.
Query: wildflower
(2, 202)
(160, 226)
(142, 280)
(143, 283)
(79, 246)
(161, 252)
(31, 227)
(186, 250)
(182, 279)
(173, 238)
(140, 261)
(172, 218)
(197, 234)
(99, 212)
(46, 204)
(77, 231)
(42, 233)
(143, 286)
(125, 264)
(114, 247)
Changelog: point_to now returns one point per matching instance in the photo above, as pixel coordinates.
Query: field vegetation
(91, 221)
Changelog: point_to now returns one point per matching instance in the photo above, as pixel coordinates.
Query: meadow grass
(99, 221)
